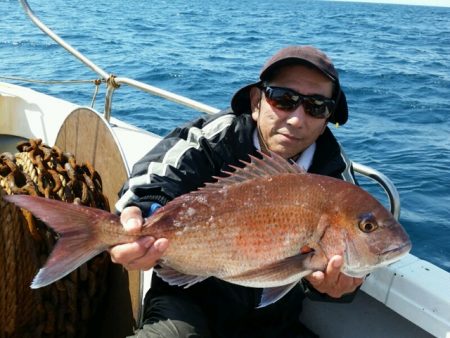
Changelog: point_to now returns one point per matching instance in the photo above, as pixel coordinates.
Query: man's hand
(141, 254)
(332, 281)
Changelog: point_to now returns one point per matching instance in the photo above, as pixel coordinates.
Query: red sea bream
(266, 225)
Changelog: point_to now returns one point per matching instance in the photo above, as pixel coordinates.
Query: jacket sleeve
(182, 162)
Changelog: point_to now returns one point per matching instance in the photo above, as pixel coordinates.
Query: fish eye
(368, 223)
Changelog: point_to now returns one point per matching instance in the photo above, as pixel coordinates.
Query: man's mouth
(290, 136)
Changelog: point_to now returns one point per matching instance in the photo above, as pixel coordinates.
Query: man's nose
(297, 117)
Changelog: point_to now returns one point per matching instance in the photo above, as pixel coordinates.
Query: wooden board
(89, 137)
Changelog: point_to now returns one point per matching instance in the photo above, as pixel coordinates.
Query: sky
(442, 3)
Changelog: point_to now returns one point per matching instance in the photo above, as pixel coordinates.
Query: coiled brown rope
(67, 307)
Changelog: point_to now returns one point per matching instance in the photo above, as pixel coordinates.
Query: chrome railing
(387, 185)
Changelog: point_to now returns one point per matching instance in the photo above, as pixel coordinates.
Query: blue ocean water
(394, 63)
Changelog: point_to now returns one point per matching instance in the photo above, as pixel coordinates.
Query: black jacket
(190, 155)
(183, 161)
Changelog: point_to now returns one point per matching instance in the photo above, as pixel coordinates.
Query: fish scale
(250, 237)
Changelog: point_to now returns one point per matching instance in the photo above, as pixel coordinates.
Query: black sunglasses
(288, 100)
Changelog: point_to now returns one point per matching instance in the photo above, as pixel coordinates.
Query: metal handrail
(61, 42)
(168, 95)
(386, 184)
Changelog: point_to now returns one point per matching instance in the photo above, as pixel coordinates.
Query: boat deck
(364, 317)
(9, 143)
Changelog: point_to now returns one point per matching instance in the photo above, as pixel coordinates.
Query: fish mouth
(402, 248)
(385, 258)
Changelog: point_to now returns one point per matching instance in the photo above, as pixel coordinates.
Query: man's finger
(316, 278)
(161, 245)
(151, 256)
(131, 219)
(129, 252)
(334, 268)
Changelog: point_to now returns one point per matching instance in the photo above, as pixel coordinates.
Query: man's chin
(285, 152)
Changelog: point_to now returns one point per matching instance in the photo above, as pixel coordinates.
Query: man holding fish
(242, 214)
(287, 113)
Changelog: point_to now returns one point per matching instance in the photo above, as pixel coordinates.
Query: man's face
(290, 133)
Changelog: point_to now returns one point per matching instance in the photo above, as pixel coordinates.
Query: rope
(21, 79)
(96, 82)
(97, 85)
(67, 307)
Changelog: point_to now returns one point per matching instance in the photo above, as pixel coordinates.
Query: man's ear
(255, 97)
(255, 102)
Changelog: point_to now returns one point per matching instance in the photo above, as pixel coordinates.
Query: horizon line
(432, 3)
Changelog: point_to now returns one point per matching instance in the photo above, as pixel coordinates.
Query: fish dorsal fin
(269, 165)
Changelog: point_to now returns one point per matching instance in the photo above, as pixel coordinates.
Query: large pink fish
(266, 225)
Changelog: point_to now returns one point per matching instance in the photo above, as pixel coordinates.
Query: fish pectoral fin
(280, 270)
(271, 295)
(174, 277)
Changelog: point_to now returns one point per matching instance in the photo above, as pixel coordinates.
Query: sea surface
(394, 63)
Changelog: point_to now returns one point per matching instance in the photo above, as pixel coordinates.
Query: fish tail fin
(69, 253)
(76, 224)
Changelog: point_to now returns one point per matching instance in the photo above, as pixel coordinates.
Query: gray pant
(173, 317)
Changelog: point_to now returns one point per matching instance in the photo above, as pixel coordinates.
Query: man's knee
(169, 316)
(168, 329)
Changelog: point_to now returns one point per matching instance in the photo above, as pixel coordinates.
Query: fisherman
(287, 112)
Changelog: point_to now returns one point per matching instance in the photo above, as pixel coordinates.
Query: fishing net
(68, 307)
